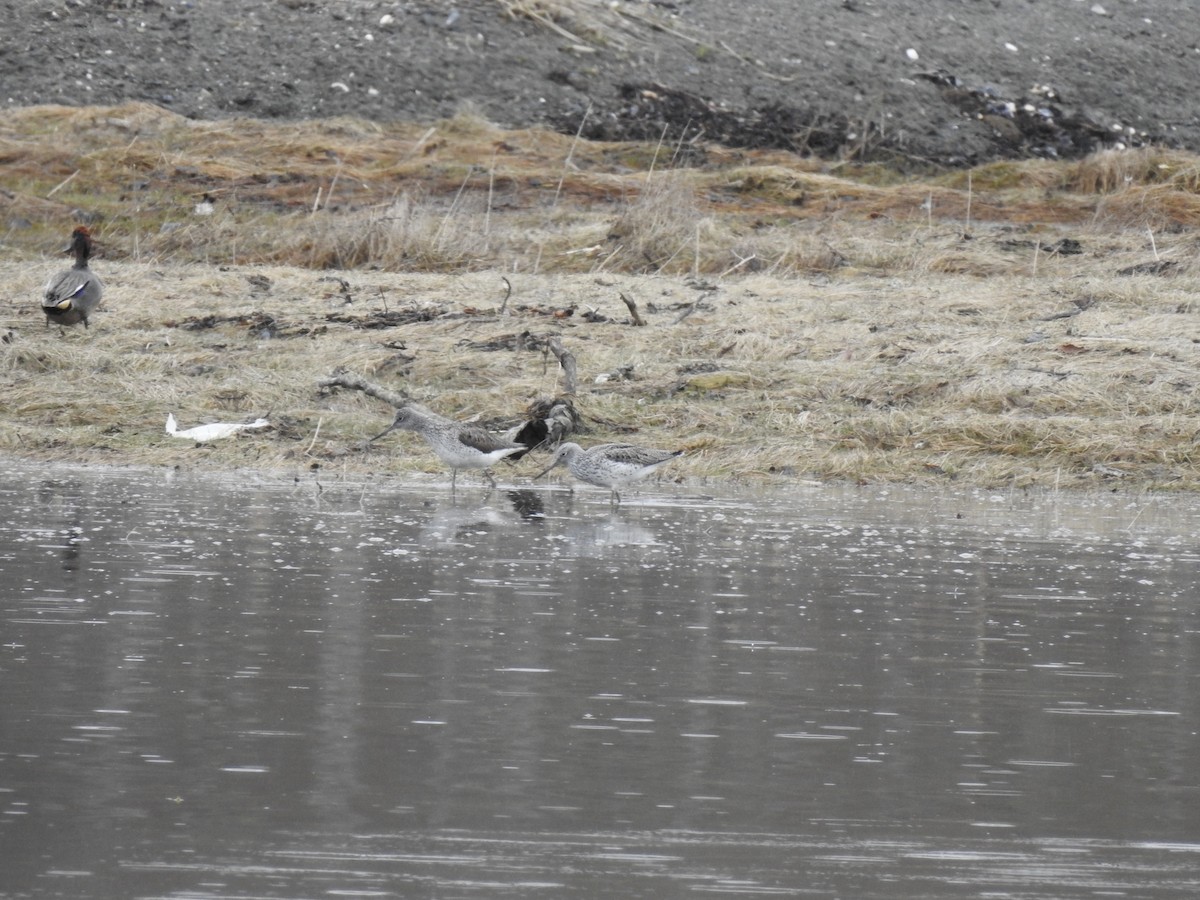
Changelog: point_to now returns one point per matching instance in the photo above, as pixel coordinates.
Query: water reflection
(231, 689)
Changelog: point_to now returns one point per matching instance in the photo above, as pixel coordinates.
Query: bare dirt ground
(914, 82)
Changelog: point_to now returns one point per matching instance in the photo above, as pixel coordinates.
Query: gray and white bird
(610, 466)
(460, 445)
(72, 294)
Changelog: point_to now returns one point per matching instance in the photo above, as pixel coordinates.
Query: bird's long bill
(545, 470)
(387, 430)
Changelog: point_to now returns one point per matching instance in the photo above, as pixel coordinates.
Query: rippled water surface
(236, 688)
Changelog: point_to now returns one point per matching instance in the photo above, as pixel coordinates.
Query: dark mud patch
(1021, 126)
(383, 318)
(258, 325)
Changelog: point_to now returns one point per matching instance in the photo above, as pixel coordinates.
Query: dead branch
(565, 359)
(342, 379)
(633, 310)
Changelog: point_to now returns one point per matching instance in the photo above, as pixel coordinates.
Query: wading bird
(610, 466)
(460, 445)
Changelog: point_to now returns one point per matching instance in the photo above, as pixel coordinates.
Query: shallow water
(236, 688)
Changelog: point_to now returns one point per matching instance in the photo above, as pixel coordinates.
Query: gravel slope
(948, 81)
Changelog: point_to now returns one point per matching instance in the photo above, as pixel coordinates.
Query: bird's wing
(485, 441)
(73, 285)
(64, 286)
(637, 456)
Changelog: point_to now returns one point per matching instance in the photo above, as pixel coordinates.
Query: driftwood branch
(633, 310)
(340, 379)
(561, 421)
(565, 359)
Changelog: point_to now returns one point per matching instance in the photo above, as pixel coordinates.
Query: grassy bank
(1027, 324)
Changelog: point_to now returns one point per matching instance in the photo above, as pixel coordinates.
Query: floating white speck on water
(213, 432)
(1012, 48)
(386, 19)
(340, 86)
(912, 54)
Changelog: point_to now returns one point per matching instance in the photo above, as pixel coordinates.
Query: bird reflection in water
(527, 504)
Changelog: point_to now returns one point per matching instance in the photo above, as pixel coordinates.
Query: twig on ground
(339, 379)
(633, 310)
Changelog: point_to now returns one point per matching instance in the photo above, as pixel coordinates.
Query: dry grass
(801, 322)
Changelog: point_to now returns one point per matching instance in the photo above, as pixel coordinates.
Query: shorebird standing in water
(460, 445)
(609, 465)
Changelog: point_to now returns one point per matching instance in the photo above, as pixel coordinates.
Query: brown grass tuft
(662, 229)
(1108, 171)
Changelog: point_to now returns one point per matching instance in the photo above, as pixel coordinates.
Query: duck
(72, 294)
